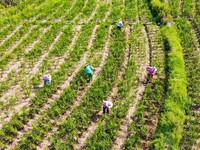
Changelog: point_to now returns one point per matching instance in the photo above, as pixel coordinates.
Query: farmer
(120, 24)
(88, 70)
(106, 106)
(151, 71)
(47, 78)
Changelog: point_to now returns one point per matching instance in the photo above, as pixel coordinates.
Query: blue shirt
(120, 24)
(88, 69)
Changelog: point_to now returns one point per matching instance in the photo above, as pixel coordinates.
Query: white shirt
(108, 104)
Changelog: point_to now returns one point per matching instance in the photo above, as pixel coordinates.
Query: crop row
(106, 131)
(146, 116)
(192, 60)
(59, 76)
(170, 125)
(81, 117)
(28, 13)
(130, 12)
(190, 49)
(13, 11)
(57, 50)
(41, 96)
(54, 112)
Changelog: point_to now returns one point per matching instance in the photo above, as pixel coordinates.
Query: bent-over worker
(47, 79)
(120, 24)
(106, 106)
(88, 70)
(151, 71)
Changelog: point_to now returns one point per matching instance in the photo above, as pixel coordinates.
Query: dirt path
(26, 102)
(18, 107)
(12, 33)
(123, 132)
(14, 89)
(46, 142)
(196, 146)
(30, 47)
(36, 66)
(10, 49)
(59, 60)
(16, 65)
(180, 6)
(197, 37)
(91, 129)
(28, 126)
(60, 18)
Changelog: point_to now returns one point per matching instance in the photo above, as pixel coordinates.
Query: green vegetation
(59, 37)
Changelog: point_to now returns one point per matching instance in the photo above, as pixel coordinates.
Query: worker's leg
(90, 76)
(104, 110)
(107, 110)
(45, 82)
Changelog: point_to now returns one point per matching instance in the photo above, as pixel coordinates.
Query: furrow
(25, 102)
(106, 16)
(60, 60)
(15, 89)
(8, 36)
(36, 66)
(61, 18)
(12, 65)
(46, 142)
(30, 47)
(123, 132)
(56, 95)
(94, 125)
(197, 36)
(34, 70)
(75, 19)
(10, 49)
(93, 13)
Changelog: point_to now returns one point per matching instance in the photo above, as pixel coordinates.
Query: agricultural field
(59, 37)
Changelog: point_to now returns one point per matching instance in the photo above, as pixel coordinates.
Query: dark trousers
(45, 82)
(105, 109)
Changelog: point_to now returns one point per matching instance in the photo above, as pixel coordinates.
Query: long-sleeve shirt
(88, 69)
(47, 78)
(151, 70)
(107, 104)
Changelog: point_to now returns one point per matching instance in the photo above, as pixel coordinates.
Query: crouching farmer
(47, 79)
(88, 70)
(120, 24)
(106, 106)
(151, 71)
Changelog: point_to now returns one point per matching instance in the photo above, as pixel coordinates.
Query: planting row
(72, 61)
(192, 61)
(58, 49)
(145, 119)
